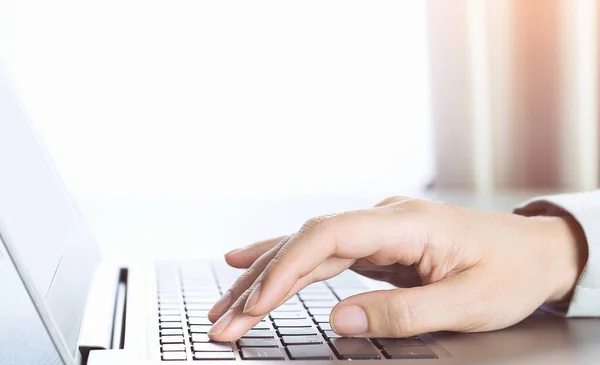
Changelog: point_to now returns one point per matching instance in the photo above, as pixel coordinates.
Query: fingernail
(222, 324)
(253, 298)
(222, 304)
(350, 320)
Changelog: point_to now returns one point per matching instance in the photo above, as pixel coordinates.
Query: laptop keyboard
(297, 330)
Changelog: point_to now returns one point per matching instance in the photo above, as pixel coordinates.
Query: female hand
(457, 269)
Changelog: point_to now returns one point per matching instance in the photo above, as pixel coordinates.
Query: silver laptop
(60, 303)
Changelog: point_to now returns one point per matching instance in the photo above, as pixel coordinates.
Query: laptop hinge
(97, 330)
(120, 313)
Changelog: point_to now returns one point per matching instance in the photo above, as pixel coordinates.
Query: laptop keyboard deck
(297, 330)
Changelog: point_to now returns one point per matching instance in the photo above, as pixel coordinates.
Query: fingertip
(233, 259)
(232, 326)
(213, 318)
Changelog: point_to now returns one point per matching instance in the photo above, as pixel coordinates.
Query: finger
(352, 235)
(405, 312)
(242, 258)
(242, 284)
(233, 324)
(237, 323)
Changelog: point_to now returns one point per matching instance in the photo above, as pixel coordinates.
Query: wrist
(567, 251)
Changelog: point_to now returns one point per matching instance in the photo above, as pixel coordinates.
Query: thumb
(401, 312)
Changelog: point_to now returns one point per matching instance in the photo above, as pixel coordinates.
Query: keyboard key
(201, 292)
(292, 323)
(199, 329)
(190, 284)
(320, 311)
(169, 312)
(346, 293)
(257, 342)
(169, 306)
(169, 297)
(199, 321)
(330, 335)
(214, 356)
(301, 340)
(171, 339)
(292, 301)
(309, 352)
(173, 347)
(321, 319)
(201, 301)
(398, 342)
(419, 352)
(319, 287)
(325, 326)
(170, 319)
(288, 308)
(169, 291)
(199, 306)
(200, 314)
(320, 304)
(165, 325)
(195, 298)
(174, 356)
(262, 353)
(261, 326)
(200, 337)
(212, 347)
(354, 348)
(347, 279)
(258, 334)
(317, 296)
(171, 332)
(296, 331)
(288, 315)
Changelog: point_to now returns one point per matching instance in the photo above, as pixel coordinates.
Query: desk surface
(128, 227)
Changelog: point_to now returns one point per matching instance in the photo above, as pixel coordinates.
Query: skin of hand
(456, 269)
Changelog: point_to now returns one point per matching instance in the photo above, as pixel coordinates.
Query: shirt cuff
(585, 208)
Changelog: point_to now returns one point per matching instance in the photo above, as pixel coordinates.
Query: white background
(263, 107)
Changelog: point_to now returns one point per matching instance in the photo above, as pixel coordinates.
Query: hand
(457, 269)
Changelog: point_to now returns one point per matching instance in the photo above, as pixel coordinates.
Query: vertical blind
(515, 93)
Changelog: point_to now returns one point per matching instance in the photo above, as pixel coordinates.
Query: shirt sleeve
(585, 208)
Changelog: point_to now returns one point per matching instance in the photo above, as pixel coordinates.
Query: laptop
(61, 303)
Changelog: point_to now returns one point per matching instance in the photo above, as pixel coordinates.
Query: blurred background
(221, 122)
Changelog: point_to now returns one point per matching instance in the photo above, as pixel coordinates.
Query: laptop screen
(46, 232)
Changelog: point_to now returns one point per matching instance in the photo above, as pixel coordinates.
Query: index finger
(350, 235)
(243, 258)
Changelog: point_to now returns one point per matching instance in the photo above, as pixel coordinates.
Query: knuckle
(415, 205)
(243, 280)
(317, 222)
(391, 200)
(247, 274)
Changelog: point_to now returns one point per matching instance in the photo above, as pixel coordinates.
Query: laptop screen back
(46, 232)
(23, 336)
